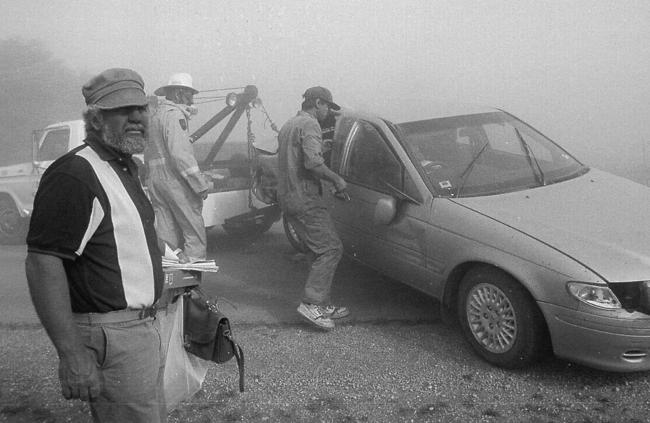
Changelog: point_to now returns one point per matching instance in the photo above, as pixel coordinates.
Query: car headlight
(595, 295)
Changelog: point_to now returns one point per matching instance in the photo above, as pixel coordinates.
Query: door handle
(342, 195)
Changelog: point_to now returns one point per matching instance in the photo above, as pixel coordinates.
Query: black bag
(207, 334)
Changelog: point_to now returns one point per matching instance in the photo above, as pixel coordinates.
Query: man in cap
(301, 169)
(176, 185)
(93, 264)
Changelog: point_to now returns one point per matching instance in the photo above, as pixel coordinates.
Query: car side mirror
(385, 211)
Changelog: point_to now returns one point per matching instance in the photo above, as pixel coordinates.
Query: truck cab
(18, 183)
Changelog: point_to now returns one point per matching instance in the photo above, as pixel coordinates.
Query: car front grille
(634, 296)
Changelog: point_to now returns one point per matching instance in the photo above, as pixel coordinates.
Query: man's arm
(182, 153)
(323, 172)
(312, 147)
(48, 286)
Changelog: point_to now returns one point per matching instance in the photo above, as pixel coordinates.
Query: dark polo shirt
(90, 210)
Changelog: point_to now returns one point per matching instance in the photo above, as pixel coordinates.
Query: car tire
(13, 227)
(293, 237)
(500, 319)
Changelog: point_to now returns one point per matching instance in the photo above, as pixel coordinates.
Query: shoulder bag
(207, 333)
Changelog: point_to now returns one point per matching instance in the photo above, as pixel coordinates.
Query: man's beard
(124, 143)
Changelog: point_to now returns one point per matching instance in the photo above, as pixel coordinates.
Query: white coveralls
(175, 182)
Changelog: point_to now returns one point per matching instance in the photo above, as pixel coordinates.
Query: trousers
(316, 229)
(179, 219)
(130, 360)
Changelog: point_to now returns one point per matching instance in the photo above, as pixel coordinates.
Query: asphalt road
(392, 360)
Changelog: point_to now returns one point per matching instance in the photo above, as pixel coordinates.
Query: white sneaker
(335, 312)
(316, 315)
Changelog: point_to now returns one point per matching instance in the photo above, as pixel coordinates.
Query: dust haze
(577, 71)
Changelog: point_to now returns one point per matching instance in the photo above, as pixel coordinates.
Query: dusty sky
(577, 70)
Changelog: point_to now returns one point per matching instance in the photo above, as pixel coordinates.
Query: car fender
(541, 269)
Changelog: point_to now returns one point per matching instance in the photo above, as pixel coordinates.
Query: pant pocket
(94, 338)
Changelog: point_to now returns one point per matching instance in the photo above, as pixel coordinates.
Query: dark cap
(115, 88)
(322, 93)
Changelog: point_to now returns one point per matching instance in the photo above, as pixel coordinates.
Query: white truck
(231, 205)
(18, 183)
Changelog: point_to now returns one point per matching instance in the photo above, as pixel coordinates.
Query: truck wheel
(500, 319)
(249, 231)
(252, 223)
(292, 236)
(13, 227)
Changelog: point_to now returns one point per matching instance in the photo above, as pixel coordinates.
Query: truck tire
(252, 223)
(13, 227)
(249, 231)
(293, 237)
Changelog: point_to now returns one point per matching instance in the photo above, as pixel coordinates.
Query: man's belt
(119, 316)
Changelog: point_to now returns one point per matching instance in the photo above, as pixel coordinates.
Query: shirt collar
(303, 113)
(182, 107)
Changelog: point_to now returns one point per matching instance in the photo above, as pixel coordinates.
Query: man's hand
(340, 185)
(204, 194)
(50, 294)
(79, 377)
(182, 257)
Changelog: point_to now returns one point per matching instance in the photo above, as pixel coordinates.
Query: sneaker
(335, 312)
(316, 315)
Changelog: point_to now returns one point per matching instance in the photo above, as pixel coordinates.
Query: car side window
(54, 144)
(371, 162)
(341, 133)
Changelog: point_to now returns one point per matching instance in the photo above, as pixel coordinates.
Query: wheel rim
(491, 318)
(9, 220)
(293, 233)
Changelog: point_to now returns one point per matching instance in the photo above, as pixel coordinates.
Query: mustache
(135, 127)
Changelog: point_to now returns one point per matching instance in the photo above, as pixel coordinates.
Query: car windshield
(485, 154)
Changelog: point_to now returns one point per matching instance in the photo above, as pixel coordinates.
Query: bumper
(220, 206)
(612, 341)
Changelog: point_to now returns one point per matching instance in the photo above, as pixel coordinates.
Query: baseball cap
(115, 88)
(322, 93)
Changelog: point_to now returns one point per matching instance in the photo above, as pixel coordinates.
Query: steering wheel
(430, 166)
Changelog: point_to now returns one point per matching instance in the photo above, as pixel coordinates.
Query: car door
(370, 166)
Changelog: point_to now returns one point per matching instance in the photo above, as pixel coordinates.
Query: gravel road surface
(393, 360)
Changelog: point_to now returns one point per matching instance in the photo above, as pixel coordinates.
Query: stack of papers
(201, 266)
(170, 261)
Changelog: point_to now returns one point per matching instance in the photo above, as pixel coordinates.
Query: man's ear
(97, 120)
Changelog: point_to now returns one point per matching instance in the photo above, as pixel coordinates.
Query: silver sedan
(532, 250)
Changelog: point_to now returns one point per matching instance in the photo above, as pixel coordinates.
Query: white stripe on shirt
(130, 241)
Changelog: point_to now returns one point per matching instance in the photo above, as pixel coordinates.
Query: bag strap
(239, 356)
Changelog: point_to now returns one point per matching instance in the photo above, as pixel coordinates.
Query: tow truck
(241, 201)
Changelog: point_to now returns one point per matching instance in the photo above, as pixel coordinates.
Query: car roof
(69, 123)
(431, 111)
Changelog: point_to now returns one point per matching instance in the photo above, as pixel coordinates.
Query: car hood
(599, 219)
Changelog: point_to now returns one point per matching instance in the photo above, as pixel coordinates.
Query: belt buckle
(147, 312)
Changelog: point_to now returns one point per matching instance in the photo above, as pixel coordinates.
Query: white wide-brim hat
(183, 80)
